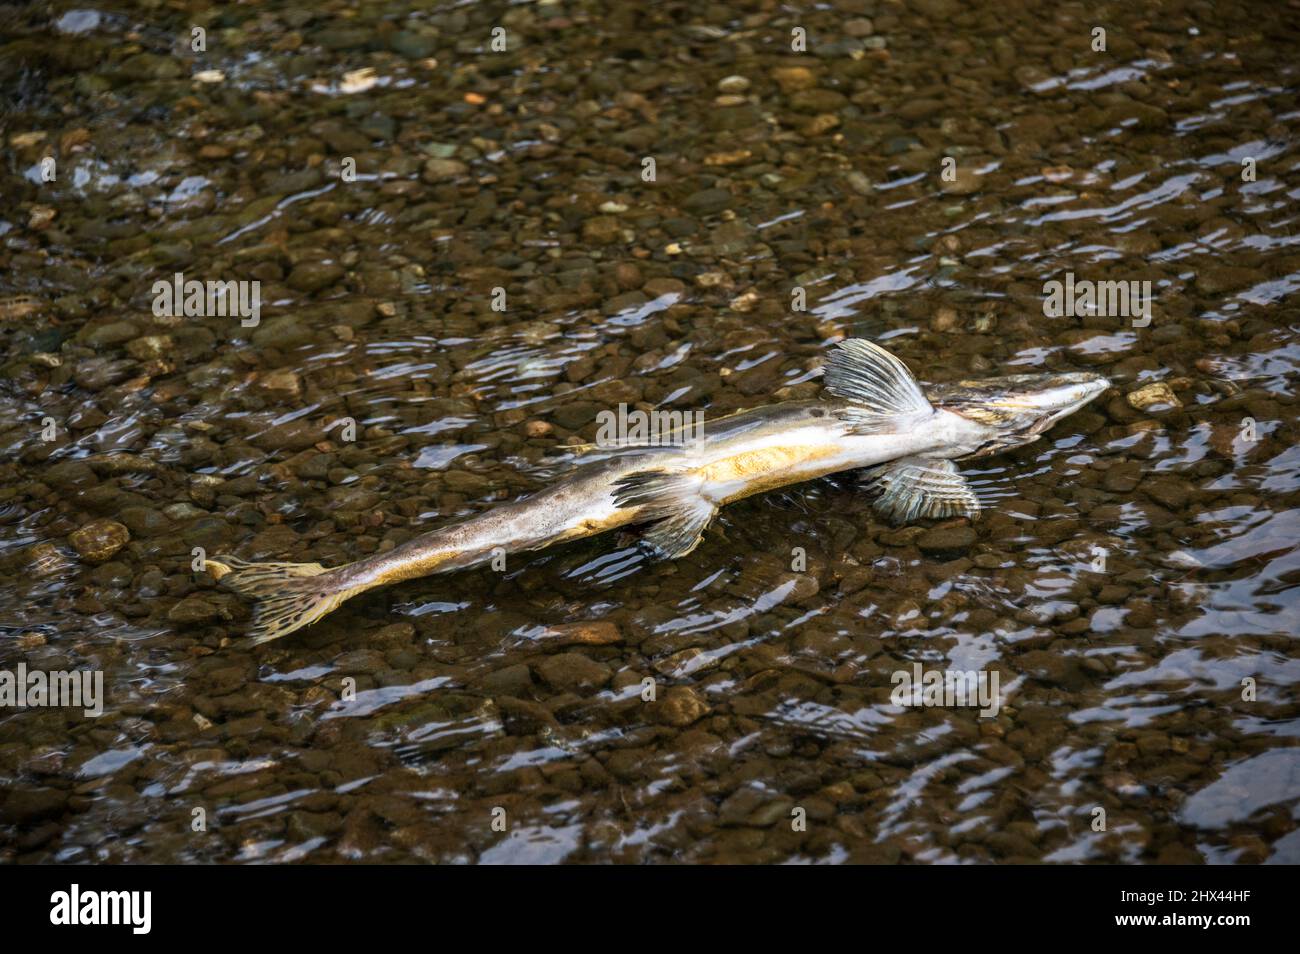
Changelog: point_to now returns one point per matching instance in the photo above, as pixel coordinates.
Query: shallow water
(1133, 577)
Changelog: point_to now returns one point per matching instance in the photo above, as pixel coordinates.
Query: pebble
(708, 201)
(945, 319)
(193, 609)
(1153, 397)
(596, 633)
(313, 276)
(282, 332)
(628, 276)
(284, 380)
(513, 680)
(734, 157)
(859, 182)
(28, 804)
(792, 79)
(941, 539)
(150, 346)
(678, 706)
(441, 170)
(818, 102)
(98, 540)
(112, 334)
(965, 181)
(573, 672)
(45, 559)
(602, 229)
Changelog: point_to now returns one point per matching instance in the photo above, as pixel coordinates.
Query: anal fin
(915, 487)
(674, 503)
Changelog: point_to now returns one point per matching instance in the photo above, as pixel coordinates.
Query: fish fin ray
(676, 536)
(914, 487)
(882, 393)
(286, 596)
(674, 503)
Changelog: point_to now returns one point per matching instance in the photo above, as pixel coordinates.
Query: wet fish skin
(768, 448)
(874, 415)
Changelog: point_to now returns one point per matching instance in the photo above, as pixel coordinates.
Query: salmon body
(741, 455)
(874, 416)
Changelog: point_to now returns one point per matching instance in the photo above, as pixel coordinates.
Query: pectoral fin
(914, 487)
(673, 501)
(882, 394)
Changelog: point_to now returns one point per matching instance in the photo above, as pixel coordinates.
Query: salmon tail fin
(287, 596)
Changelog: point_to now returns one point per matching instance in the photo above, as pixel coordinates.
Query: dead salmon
(873, 415)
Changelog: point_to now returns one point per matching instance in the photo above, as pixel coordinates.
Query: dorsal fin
(881, 387)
